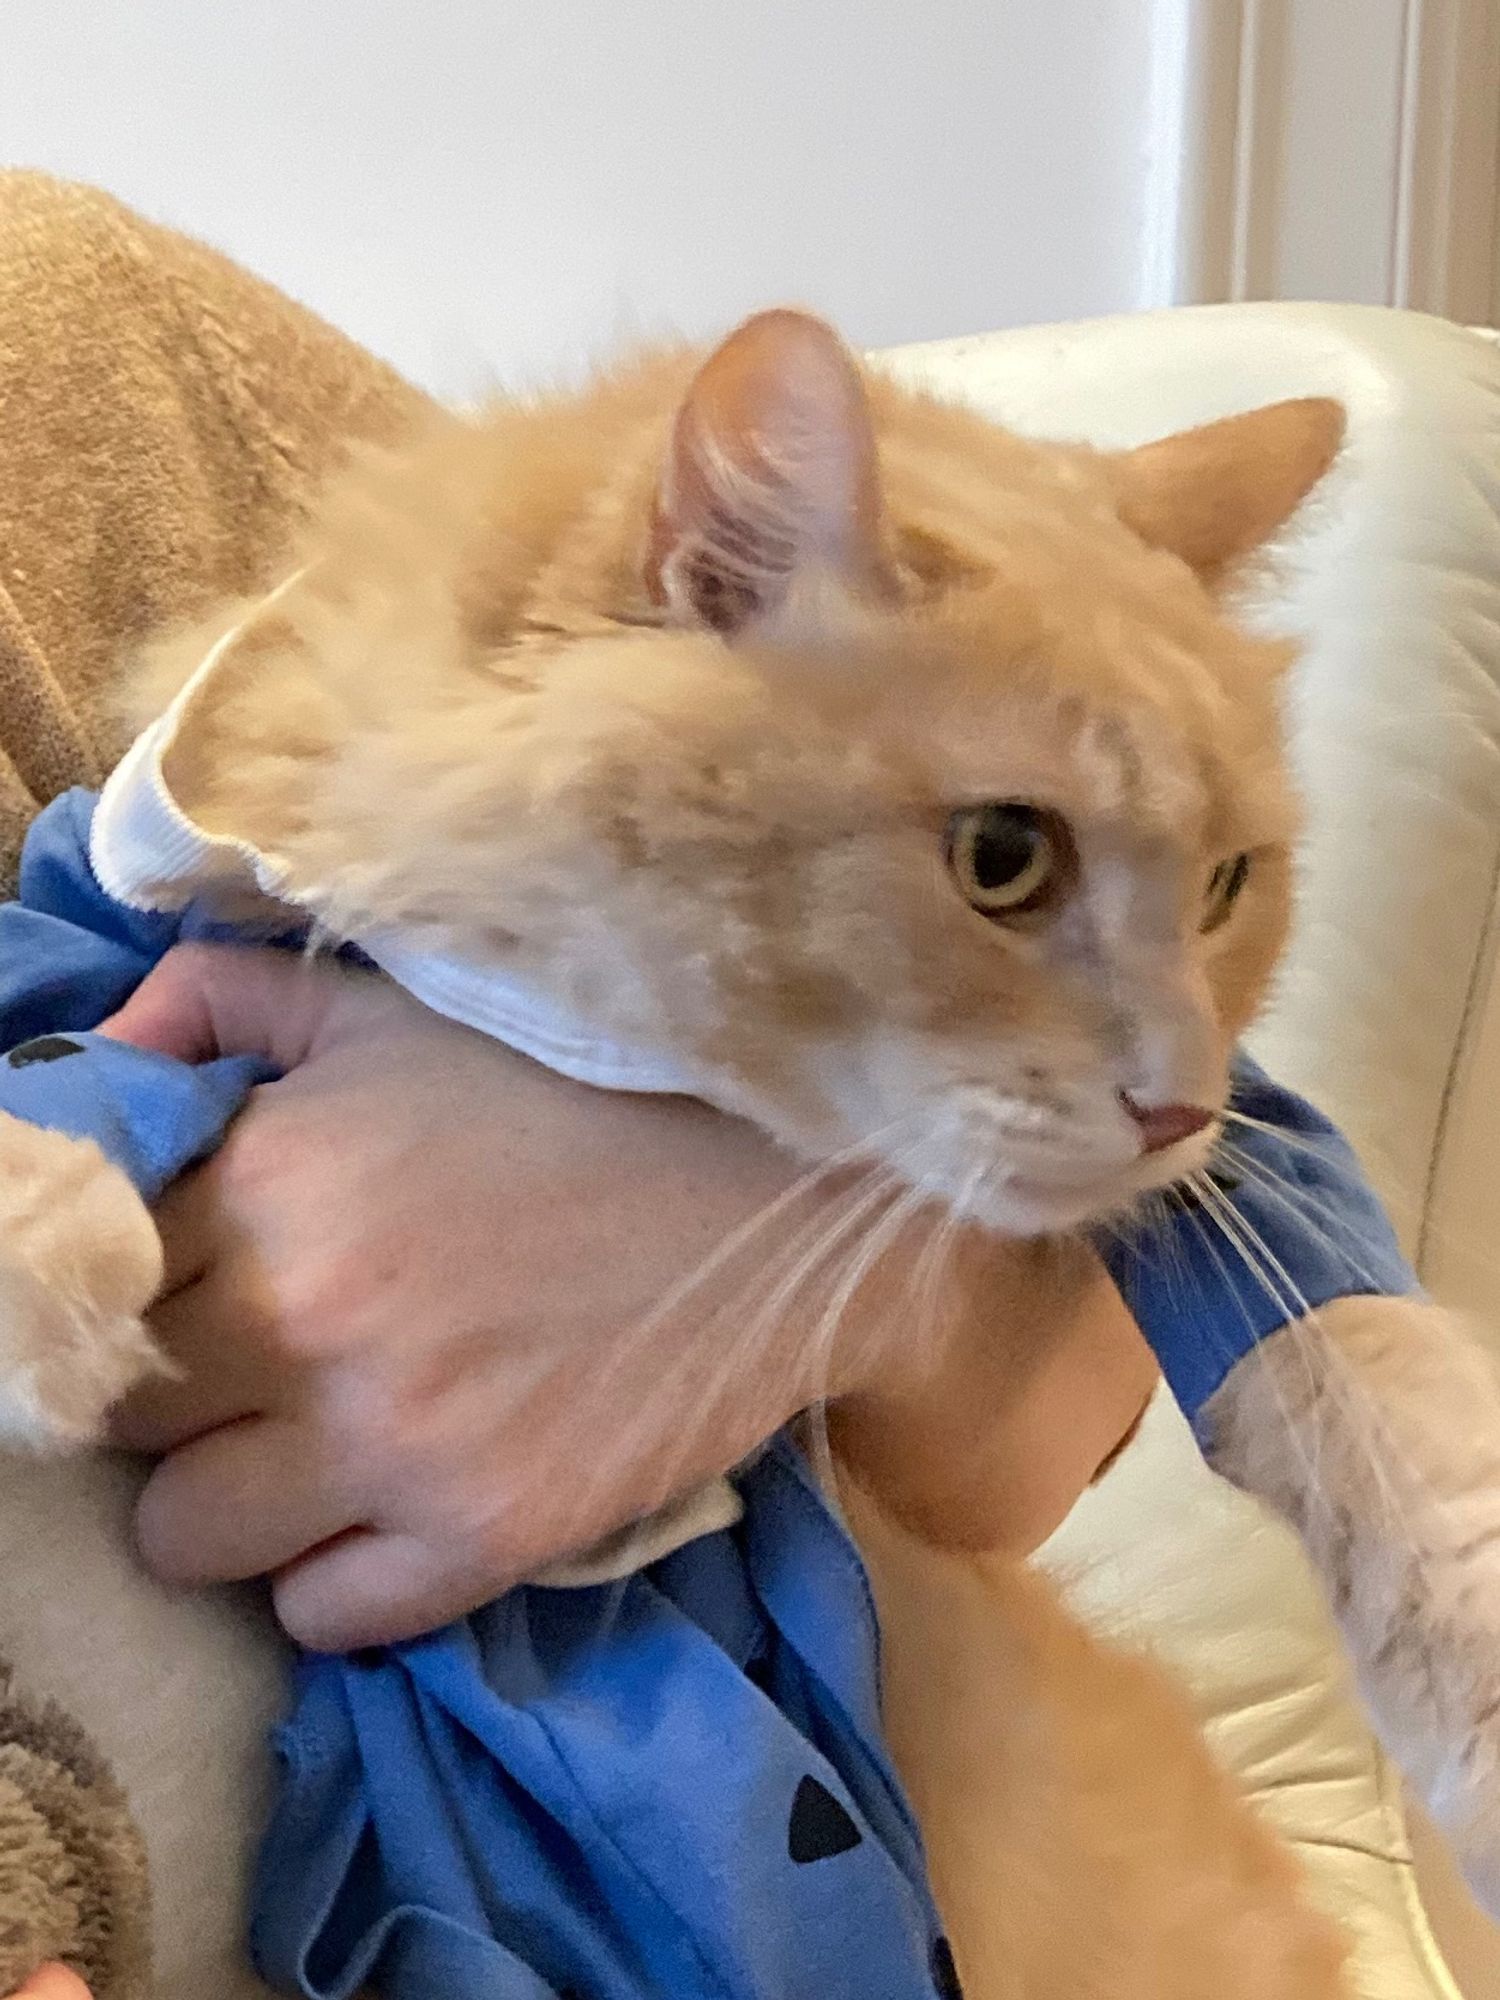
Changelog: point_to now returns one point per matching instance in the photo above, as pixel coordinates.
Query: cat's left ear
(1216, 494)
(771, 479)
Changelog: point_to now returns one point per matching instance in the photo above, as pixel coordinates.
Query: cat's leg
(80, 1261)
(1373, 1427)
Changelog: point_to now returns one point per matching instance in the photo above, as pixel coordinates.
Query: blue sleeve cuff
(150, 1114)
(1300, 1228)
(69, 955)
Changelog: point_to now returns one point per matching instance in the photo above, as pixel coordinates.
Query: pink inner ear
(719, 601)
(772, 467)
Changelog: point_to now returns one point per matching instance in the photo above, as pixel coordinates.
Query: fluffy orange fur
(663, 696)
(475, 721)
(1080, 1839)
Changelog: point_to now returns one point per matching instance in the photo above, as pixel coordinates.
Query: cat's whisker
(825, 1232)
(1343, 1381)
(946, 1221)
(1326, 1370)
(1160, 1232)
(1257, 1260)
(782, 1297)
(1297, 1142)
(1433, 1230)
(863, 1258)
(1315, 1149)
(800, 1261)
(1200, 1218)
(1310, 1210)
(926, 1280)
(769, 1293)
(835, 1215)
(810, 1248)
(741, 1238)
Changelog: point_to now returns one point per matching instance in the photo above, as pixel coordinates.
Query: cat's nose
(1163, 1125)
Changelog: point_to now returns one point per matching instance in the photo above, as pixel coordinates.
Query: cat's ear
(1216, 494)
(771, 478)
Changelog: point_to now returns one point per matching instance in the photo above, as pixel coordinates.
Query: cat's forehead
(1050, 637)
(1106, 769)
(1114, 708)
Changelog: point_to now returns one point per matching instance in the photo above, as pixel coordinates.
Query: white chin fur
(1017, 1169)
(1012, 1204)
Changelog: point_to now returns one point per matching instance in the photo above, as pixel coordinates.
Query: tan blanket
(72, 1868)
(162, 417)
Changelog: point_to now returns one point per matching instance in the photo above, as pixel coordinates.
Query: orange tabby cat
(886, 776)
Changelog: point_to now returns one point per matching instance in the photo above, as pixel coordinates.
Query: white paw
(1472, 1824)
(80, 1261)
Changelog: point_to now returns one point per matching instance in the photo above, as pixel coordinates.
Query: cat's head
(905, 779)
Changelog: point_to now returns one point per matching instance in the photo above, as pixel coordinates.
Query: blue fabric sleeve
(1300, 1227)
(69, 956)
(150, 1114)
(674, 1785)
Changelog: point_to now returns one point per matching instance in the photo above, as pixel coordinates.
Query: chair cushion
(1391, 579)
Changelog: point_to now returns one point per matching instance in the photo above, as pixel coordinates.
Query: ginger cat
(903, 786)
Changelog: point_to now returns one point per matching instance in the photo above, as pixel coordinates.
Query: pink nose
(1162, 1125)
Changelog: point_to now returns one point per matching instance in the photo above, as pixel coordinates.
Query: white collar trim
(146, 853)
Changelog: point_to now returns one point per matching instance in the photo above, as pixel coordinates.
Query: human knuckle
(307, 1319)
(292, 1336)
(250, 1160)
(184, 965)
(363, 1424)
(195, 954)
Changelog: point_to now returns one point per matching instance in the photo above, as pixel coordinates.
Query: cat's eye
(1007, 858)
(1225, 887)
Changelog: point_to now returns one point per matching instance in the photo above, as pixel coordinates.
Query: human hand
(411, 1298)
(415, 1302)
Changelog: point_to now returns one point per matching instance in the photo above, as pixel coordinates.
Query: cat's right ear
(771, 479)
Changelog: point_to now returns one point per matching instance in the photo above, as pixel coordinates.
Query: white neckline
(148, 854)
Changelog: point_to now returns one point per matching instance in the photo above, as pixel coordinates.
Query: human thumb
(203, 1001)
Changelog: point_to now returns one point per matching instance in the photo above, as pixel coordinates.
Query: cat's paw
(80, 1261)
(1470, 1816)
(1395, 1407)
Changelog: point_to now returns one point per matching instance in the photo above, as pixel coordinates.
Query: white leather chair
(1387, 1016)
(1389, 1012)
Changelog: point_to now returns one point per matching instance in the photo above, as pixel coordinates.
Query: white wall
(1328, 149)
(511, 184)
